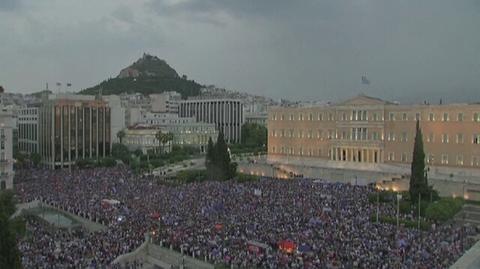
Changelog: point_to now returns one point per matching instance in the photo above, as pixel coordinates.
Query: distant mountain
(147, 75)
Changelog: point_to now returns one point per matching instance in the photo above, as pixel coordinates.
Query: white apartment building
(6, 149)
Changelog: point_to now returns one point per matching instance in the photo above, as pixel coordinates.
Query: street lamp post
(399, 197)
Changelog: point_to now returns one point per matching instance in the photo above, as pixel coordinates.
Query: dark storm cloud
(8, 5)
(410, 50)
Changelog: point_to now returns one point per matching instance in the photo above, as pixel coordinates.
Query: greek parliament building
(369, 133)
(73, 127)
(226, 114)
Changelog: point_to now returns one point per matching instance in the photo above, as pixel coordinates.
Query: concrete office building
(117, 116)
(186, 132)
(226, 114)
(166, 102)
(28, 130)
(73, 127)
(368, 133)
(6, 148)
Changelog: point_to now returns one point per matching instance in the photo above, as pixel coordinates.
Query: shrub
(444, 209)
(189, 176)
(241, 177)
(385, 197)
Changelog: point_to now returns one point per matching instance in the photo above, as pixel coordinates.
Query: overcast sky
(410, 50)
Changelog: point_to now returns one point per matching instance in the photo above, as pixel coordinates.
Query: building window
(404, 116)
(459, 138)
(310, 117)
(476, 117)
(291, 116)
(475, 161)
(430, 158)
(330, 117)
(391, 136)
(344, 116)
(319, 134)
(273, 149)
(274, 133)
(445, 116)
(460, 117)
(282, 133)
(417, 116)
(310, 134)
(476, 139)
(375, 117)
(404, 137)
(320, 116)
(283, 117)
(459, 159)
(300, 117)
(430, 138)
(431, 117)
(374, 136)
(444, 159)
(391, 156)
(330, 134)
(444, 138)
(392, 116)
(404, 157)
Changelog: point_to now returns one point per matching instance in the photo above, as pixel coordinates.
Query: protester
(327, 224)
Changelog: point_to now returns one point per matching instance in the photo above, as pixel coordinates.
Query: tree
(218, 162)
(120, 152)
(168, 139)
(9, 253)
(36, 159)
(121, 135)
(160, 137)
(210, 153)
(254, 134)
(418, 178)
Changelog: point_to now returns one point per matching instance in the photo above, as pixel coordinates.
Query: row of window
(301, 151)
(430, 159)
(363, 115)
(404, 157)
(359, 134)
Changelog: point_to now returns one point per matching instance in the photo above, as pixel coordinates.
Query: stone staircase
(470, 214)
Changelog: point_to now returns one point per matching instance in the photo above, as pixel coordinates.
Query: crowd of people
(326, 225)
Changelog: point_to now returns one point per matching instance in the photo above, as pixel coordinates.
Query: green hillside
(147, 75)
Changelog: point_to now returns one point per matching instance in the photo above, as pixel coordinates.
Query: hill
(147, 75)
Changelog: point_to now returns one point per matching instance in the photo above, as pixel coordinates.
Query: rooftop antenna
(59, 85)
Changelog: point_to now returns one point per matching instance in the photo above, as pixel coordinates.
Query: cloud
(409, 49)
(9, 5)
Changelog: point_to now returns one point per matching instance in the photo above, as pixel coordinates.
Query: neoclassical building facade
(369, 130)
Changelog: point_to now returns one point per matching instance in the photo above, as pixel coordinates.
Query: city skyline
(407, 51)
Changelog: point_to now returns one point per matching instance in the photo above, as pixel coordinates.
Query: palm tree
(121, 135)
(169, 138)
(160, 137)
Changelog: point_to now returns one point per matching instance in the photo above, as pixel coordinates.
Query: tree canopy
(418, 177)
(254, 134)
(9, 253)
(218, 162)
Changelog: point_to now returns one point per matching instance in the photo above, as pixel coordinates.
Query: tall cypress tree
(210, 152)
(222, 158)
(418, 180)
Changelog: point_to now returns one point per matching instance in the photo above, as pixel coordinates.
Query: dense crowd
(328, 224)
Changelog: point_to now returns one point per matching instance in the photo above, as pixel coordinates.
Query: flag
(69, 84)
(59, 84)
(365, 80)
